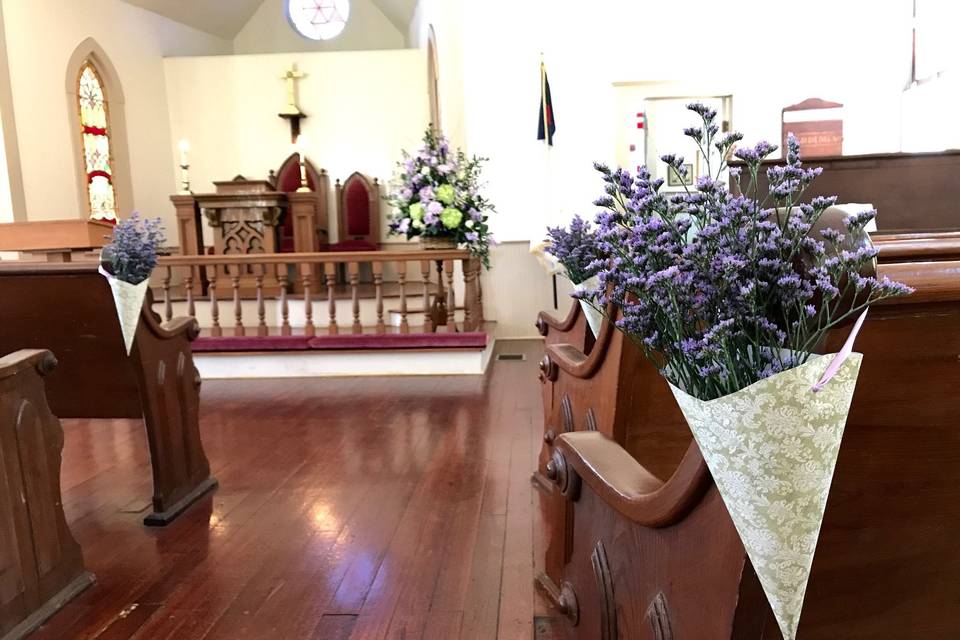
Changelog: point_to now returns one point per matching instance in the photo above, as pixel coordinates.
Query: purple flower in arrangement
(436, 179)
(720, 290)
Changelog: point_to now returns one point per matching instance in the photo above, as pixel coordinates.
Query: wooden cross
(292, 112)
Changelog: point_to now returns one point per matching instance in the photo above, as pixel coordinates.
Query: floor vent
(511, 356)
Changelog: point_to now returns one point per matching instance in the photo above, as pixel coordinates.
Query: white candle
(184, 148)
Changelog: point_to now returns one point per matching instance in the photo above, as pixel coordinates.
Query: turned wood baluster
(188, 285)
(306, 272)
(215, 329)
(378, 285)
(283, 281)
(261, 308)
(330, 271)
(238, 328)
(353, 268)
(425, 271)
(451, 298)
(167, 303)
(402, 281)
(468, 289)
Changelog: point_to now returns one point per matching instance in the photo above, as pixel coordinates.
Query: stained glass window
(95, 130)
(318, 19)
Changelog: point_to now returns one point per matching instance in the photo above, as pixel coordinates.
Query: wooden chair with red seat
(358, 214)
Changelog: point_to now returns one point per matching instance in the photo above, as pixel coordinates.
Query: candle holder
(185, 180)
(304, 186)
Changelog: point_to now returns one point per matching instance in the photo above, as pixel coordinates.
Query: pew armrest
(626, 486)
(182, 326)
(40, 359)
(546, 322)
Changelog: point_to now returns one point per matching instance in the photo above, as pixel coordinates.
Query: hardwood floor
(348, 509)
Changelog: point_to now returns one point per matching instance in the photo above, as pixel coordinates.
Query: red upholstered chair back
(287, 180)
(358, 215)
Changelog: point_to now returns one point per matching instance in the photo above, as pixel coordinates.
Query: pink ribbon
(842, 355)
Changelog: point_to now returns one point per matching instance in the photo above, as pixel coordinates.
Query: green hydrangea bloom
(451, 217)
(416, 211)
(446, 194)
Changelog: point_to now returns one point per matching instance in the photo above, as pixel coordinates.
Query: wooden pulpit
(244, 215)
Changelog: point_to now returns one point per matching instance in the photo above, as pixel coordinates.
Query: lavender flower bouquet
(576, 249)
(436, 195)
(730, 296)
(127, 262)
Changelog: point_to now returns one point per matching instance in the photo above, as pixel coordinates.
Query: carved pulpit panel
(244, 215)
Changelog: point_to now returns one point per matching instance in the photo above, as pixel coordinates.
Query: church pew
(573, 401)
(632, 409)
(69, 309)
(655, 555)
(41, 565)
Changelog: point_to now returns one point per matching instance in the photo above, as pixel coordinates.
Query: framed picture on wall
(674, 180)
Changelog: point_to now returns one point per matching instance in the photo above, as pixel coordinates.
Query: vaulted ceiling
(225, 18)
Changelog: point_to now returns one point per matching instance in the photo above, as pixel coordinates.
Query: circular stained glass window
(318, 19)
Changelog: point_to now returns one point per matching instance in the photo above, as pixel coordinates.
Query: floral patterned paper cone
(128, 298)
(594, 317)
(772, 448)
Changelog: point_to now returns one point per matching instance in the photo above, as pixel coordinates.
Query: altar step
(362, 354)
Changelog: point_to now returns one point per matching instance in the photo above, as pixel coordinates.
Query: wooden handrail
(320, 257)
(226, 281)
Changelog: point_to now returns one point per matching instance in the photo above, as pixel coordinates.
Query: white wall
(363, 108)
(446, 17)
(41, 35)
(268, 31)
(766, 55)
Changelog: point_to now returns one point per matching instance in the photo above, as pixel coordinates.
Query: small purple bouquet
(127, 262)
(575, 247)
(436, 197)
(577, 250)
(731, 296)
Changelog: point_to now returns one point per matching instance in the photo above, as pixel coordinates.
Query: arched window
(94, 113)
(433, 81)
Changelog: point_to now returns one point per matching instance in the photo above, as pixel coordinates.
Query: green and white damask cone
(772, 449)
(128, 299)
(593, 316)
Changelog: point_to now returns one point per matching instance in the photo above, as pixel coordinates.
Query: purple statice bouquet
(131, 254)
(437, 194)
(575, 247)
(723, 290)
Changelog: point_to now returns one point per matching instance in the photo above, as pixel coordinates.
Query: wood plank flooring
(348, 509)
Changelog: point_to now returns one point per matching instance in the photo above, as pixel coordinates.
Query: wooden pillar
(189, 226)
(303, 209)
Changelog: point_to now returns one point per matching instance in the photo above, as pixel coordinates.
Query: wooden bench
(647, 548)
(68, 309)
(41, 566)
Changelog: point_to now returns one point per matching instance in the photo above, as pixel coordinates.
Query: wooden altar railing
(216, 279)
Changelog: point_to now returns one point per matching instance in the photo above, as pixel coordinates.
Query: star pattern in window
(319, 19)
